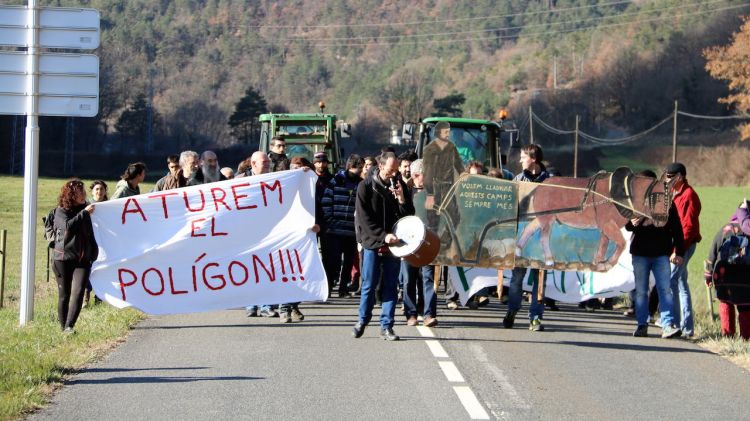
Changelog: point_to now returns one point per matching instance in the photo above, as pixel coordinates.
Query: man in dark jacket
(279, 160)
(382, 199)
(651, 248)
(534, 171)
(338, 205)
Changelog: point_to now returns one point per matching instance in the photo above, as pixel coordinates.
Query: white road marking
(471, 403)
(437, 350)
(451, 372)
(425, 331)
(465, 395)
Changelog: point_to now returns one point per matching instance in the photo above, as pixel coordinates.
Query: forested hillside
(620, 65)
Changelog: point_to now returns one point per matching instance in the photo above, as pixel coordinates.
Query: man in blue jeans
(688, 207)
(651, 248)
(418, 283)
(382, 199)
(533, 171)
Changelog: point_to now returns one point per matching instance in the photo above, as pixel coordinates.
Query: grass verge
(35, 358)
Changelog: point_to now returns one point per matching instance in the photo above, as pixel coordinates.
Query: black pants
(71, 277)
(338, 257)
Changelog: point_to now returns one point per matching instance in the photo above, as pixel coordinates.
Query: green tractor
(305, 134)
(475, 139)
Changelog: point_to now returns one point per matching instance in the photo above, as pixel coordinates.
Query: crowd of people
(356, 209)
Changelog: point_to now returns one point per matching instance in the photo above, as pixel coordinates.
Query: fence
(577, 133)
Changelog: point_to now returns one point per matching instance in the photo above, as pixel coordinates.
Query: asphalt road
(224, 365)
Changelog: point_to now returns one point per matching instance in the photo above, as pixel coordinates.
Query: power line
(627, 139)
(713, 117)
(506, 28)
(354, 25)
(533, 34)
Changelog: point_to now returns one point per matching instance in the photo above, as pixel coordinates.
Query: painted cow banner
(562, 224)
(211, 247)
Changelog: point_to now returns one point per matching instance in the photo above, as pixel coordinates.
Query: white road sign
(60, 27)
(68, 84)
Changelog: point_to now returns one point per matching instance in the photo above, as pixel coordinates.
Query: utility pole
(575, 150)
(554, 72)
(531, 125)
(674, 134)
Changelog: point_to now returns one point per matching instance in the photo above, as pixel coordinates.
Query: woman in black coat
(75, 251)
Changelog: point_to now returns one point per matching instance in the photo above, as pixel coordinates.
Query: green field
(34, 358)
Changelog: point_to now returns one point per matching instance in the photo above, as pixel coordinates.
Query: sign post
(31, 168)
(53, 84)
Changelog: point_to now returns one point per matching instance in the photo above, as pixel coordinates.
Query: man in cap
(688, 206)
(320, 162)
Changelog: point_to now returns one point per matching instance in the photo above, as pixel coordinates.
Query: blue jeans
(683, 304)
(642, 266)
(515, 291)
(412, 285)
(371, 267)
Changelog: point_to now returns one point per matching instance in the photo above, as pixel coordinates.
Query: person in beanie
(688, 206)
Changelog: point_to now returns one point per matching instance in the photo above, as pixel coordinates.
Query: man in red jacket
(688, 207)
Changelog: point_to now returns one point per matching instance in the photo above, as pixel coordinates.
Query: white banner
(566, 287)
(215, 246)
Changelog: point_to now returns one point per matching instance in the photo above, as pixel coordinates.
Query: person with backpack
(729, 262)
(75, 250)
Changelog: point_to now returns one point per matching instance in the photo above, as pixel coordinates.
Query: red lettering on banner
(219, 276)
(136, 210)
(218, 200)
(126, 284)
(237, 197)
(171, 284)
(299, 265)
(195, 277)
(271, 274)
(276, 184)
(214, 233)
(187, 202)
(161, 281)
(193, 229)
(231, 273)
(163, 197)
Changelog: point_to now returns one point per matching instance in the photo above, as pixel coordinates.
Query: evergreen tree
(449, 105)
(244, 120)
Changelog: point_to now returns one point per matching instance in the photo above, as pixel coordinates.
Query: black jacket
(377, 210)
(651, 241)
(77, 242)
(279, 161)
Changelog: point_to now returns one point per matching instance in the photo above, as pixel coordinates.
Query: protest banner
(210, 247)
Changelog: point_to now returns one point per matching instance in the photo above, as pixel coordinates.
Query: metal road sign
(68, 84)
(59, 27)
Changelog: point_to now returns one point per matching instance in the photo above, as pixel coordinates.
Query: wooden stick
(710, 303)
(540, 286)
